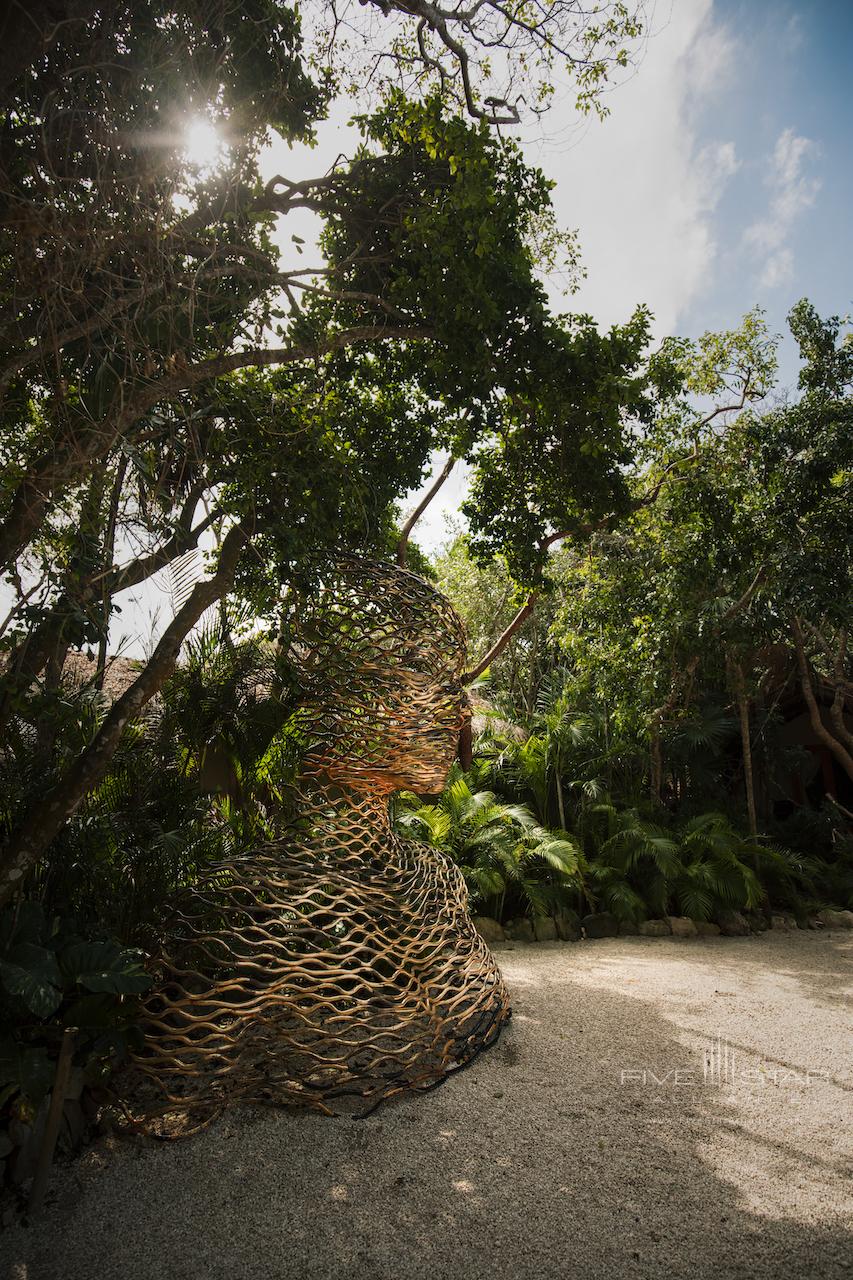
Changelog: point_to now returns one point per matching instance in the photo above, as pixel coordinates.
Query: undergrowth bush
(494, 824)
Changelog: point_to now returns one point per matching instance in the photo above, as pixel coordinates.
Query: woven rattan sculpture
(339, 963)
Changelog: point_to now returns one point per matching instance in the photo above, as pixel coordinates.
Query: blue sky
(724, 167)
(791, 78)
(721, 178)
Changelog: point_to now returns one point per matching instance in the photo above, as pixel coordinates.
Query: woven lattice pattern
(339, 962)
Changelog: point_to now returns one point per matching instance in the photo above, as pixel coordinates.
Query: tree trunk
(560, 806)
(465, 748)
(842, 755)
(29, 657)
(658, 719)
(532, 674)
(842, 685)
(656, 771)
(71, 459)
(746, 747)
(109, 551)
(46, 818)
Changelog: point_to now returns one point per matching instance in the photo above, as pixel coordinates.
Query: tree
(746, 552)
(497, 60)
(727, 554)
(807, 458)
(502, 849)
(610, 428)
(145, 401)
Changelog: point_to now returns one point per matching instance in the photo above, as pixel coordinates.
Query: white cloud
(715, 164)
(788, 156)
(639, 187)
(792, 192)
(793, 35)
(778, 269)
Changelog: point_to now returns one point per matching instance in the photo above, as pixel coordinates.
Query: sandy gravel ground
(608, 1134)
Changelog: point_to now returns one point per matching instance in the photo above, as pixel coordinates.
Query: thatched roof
(486, 718)
(79, 669)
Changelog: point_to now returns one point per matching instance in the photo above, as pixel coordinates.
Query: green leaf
(25, 1070)
(32, 974)
(560, 855)
(695, 901)
(103, 966)
(97, 1010)
(23, 923)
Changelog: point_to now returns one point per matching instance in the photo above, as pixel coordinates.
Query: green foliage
(139, 392)
(204, 776)
(697, 870)
(615, 859)
(661, 635)
(487, 598)
(493, 62)
(827, 363)
(509, 860)
(556, 455)
(53, 976)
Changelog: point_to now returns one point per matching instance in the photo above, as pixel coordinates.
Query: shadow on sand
(543, 1160)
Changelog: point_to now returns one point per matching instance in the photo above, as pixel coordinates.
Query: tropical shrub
(52, 976)
(510, 862)
(195, 780)
(641, 868)
(621, 859)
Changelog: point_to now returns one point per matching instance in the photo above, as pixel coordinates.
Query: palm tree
(640, 867)
(635, 863)
(507, 857)
(564, 760)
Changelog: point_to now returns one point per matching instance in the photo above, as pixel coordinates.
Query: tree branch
(406, 531)
(30, 656)
(46, 817)
(842, 755)
(741, 604)
(69, 464)
(503, 639)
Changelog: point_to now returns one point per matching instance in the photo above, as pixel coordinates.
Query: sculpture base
(331, 981)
